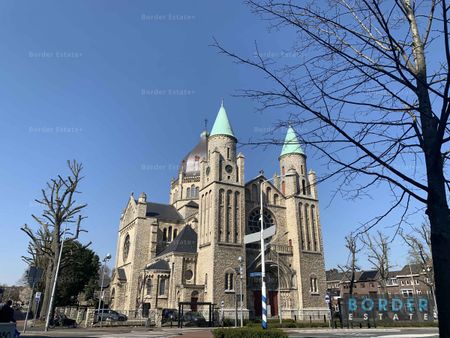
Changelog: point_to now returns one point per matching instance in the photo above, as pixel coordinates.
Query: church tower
(222, 215)
(303, 223)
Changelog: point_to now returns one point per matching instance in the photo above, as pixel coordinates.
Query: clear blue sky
(124, 87)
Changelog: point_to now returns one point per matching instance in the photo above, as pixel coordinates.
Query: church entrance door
(272, 300)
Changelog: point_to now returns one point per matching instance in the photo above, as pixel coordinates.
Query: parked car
(107, 314)
(194, 319)
(169, 315)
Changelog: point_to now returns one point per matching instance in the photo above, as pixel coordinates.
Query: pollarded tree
(61, 211)
(370, 90)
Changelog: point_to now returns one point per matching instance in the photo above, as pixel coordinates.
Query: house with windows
(411, 280)
(189, 250)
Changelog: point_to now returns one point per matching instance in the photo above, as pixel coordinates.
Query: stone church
(189, 250)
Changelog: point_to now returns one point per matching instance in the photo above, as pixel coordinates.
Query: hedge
(248, 332)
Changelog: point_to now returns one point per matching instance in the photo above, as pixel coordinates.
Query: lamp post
(50, 304)
(263, 261)
(428, 270)
(100, 297)
(241, 270)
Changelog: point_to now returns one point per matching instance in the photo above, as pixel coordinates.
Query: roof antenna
(222, 102)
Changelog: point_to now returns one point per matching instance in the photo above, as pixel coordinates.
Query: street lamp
(263, 261)
(100, 297)
(429, 275)
(50, 304)
(241, 270)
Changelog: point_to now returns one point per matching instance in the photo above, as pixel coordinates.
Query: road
(205, 333)
(367, 333)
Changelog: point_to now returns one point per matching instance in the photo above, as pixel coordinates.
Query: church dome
(190, 165)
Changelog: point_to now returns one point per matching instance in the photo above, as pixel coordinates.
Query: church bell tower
(222, 215)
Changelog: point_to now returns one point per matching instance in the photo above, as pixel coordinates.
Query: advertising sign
(386, 308)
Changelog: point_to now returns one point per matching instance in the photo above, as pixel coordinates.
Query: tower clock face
(208, 169)
(229, 169)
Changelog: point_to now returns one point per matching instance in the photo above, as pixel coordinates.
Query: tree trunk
(439, 216)
(47, 290)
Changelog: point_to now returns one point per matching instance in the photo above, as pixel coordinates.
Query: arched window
(196, 192)
(165, 235)
(192, 191)
(304, 187)
(162, 286)
(313, 287)
(254, 193)
(169, 235)
(307, 228)
(126, 247)
(254, 223)
(229, 282)
(206, 282)
(248, 196)
(188, 192)
(283, 187)
(283, 171)
(148, 286)
(222, 220)
(175, 233)
(275, 199)
(268, 195)
(229, 219)
(113, 295)
(301, 226)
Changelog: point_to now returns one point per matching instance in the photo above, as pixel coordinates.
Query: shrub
(248, 332)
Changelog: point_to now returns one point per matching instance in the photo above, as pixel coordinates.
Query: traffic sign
(37, 296)
(256, 236)
(34, 275)
(255, 274)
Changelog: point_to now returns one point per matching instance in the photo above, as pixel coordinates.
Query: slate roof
(192, 204)
(159, 265)
(186, 242)
(163, 211)
(333, 274)
(406, 271)
(368, 276)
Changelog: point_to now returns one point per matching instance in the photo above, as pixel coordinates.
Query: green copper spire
(291, 144)
(222, 124)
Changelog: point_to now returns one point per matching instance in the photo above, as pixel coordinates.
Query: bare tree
(370, 90)
(378, 255)
(349, 270)
(60, 211)
(419, 244)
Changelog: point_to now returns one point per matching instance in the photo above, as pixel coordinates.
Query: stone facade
(189, 249)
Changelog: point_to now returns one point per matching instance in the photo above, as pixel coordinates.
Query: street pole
(50, 304)
(240, 291)
(100, 297)
(263, 263)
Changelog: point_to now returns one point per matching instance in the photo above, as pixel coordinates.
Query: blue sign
(255, 274)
